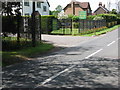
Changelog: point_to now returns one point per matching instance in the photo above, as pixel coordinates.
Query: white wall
(28, 9)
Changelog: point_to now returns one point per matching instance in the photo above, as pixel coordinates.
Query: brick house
(74, 7)
(101, 9)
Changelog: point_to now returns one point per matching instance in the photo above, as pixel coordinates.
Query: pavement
(86, 62)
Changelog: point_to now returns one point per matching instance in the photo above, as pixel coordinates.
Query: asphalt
(89, 63)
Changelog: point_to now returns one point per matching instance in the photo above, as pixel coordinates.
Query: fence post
(33, 26)
(83, 24)
(40, 27)
(79, 25)
(71, 26)
(63, 26)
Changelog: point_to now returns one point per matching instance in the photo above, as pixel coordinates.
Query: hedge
(111, 19)
(46, 23)
(9, 24)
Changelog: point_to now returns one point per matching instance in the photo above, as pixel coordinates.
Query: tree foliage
(10, 8)
(57, 10)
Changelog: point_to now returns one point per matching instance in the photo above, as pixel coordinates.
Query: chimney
(100, 3)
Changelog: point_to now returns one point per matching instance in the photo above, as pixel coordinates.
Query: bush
(109, 17)
(75, 18)
(76, 25)
(98, 18)
(46, 23)
(9, 24)
(91, 17)
(93, 30)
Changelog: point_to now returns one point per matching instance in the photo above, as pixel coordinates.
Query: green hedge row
(111, 19)
(107, 17)
(46, 23)
(9, 24)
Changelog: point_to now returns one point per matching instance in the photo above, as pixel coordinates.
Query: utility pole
(33, 26)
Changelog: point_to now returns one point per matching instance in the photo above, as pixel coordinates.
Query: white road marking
(67, 69)
(93, 53)
(111, 43)
(51, 78)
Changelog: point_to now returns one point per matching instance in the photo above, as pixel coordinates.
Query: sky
(93, 3)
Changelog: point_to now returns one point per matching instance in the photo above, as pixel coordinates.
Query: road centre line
(93, 53)
(67, 69)
(51, 78)
(111, 43)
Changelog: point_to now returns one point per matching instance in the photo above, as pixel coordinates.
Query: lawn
(16, 56)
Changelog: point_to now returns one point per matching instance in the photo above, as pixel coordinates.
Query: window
(44, 8)
(38, 5)
(26, 3)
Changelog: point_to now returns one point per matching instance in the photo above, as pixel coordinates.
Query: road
(91, 64)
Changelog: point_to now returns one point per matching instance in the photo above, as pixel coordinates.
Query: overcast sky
(93, 3)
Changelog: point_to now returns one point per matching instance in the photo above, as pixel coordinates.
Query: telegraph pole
(33, 26)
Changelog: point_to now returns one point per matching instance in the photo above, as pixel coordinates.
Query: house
(101, 9)
(42, 8)
(74, 7)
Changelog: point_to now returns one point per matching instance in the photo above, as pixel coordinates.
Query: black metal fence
(68, 26)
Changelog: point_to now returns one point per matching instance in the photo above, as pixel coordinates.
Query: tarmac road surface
(90, 64)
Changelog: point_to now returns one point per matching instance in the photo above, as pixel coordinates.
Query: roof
(102, 8)
(48, 3)
(81, 4)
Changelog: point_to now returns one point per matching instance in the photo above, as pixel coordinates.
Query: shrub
(75, 18)
(109, 17)
(46, 23)
(91, 17)
(92, 30)
(9, 24)
(98, 18)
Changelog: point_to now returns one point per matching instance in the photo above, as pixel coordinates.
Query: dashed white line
(51, 78)
(67, 69)
(111, 43)
(93, 53)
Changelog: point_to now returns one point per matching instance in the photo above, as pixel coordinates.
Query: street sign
(82, 14)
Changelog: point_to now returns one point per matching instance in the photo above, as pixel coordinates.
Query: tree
(114, 11)
(12, 14)
(7, 8)
(57, 10)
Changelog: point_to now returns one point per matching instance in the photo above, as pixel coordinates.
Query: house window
(38, 5)
(44, 8)
(26, 3)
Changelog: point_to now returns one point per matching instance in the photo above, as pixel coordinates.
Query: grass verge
(16, 56)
